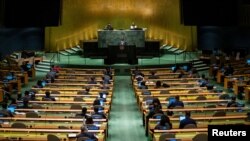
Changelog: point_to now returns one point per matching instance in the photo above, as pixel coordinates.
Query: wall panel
(82, 18)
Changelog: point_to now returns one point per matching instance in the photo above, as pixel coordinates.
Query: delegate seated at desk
(109, 27)
(5, 112)
(133, 26)
(187, 120)
(84, 133)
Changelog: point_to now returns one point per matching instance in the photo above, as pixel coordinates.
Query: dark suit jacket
(186, 121)
(176, 103)
(89, 135)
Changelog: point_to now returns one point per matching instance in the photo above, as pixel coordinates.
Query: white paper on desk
(20, 113)
(71, 135)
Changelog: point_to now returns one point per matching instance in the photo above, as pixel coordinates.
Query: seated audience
(83, 113)
(84, 133)
(133, 26)
(106, 80)
(156, 110)
(48, 97)
(164, 123)
(109, 27)
(5, 112)
(92, 80)
(203, 82)
(187, 120)
(96, 112)
(51, 74)
(156, 103)
(142, 85)
(13, 102)
(55, 68)
(153, 76)
(158, 84)
(26, 99)
(85, 92)
(229, 70)
(136, 71)
(96, 101)
(165, 85)
(176, 103)
(233, 102)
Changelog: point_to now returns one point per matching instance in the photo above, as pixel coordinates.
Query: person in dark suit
(109, 27)
(5, 112)
(133, 26)
(156, 110)
(153, 76)
(233, 102)
(96, 112)
(229, 70)
(156, 103)
(84, 133)
(164, 123)
(158, 84)
(187, 120)
(26, 99)
(142, 85)
(83, 113)
(136, 71)
(84, 92)
(48, 97)
(92, 80)
(176, 103)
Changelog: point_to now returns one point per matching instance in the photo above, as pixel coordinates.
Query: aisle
(125, 122)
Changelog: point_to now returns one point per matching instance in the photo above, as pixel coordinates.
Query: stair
(168, 49)
(199, 65)
(64, 53)
(71, 51)
(43, 66)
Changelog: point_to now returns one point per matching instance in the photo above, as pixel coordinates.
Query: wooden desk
(238, 85)
(180, 133)
(247, 93)
(71, 96)
(69, 89)
(54, 113)
(68, 85)
(77, 80)
(41, 134)
(1, 94)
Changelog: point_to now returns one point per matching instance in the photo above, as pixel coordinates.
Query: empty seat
(36, 106)
(83, 139)
(192, 91)
(55, 92)
(166, 135)
(32, 115)
(76, 107)
(164, 92)
(224, 96)
(201, 97)
(190, 126)
(78, 99)
(18, 125)
(63, 127)
(200, 137)
(52, 137)
(210, 106)
(157, 116)
(219, 114)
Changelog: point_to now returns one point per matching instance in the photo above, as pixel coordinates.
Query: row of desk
(57, 117)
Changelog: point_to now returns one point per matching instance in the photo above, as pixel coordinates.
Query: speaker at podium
(121, 54)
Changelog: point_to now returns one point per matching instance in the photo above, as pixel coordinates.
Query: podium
(118, 54)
